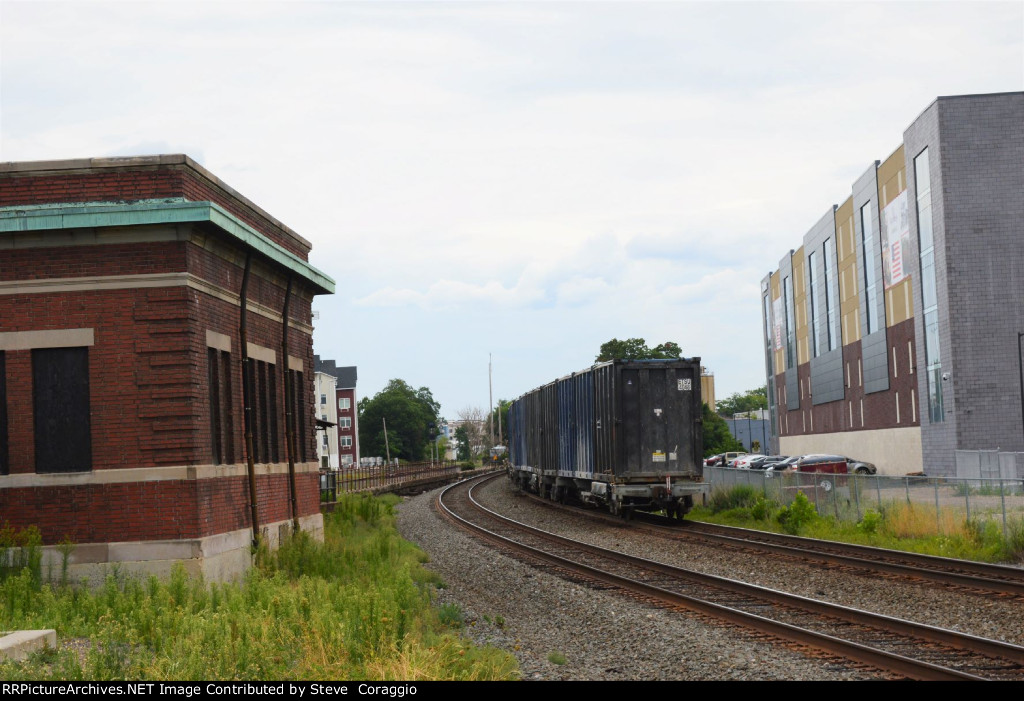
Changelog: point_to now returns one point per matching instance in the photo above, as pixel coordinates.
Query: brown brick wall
(158, 510)
(879, 407)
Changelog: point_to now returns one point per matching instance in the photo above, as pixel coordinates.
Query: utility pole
(490, 395)
(387, 448)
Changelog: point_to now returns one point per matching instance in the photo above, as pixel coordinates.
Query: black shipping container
(616, 423)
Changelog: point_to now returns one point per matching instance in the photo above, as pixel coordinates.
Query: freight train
(621, 435)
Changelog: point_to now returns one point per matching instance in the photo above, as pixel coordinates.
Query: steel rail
(983, 575)
(855, 651)
(986, 577)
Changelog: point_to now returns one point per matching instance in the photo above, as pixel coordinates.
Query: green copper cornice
(146, 212)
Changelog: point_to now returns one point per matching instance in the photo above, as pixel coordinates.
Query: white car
(743, 462)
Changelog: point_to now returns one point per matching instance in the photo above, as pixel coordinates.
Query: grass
(898, 525)
(556, 658)
(357, 606)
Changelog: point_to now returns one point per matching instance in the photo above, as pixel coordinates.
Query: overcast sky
(523, 179)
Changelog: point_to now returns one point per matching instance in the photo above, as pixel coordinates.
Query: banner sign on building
(895, 239)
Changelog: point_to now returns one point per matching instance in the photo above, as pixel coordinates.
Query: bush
(797, 515)
(742, 496)
(762, 509)
(1015, 539)
(870, 523)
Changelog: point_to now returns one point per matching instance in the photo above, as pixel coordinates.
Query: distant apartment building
(348, 416)
(891, 332)
(343, 439)
(325, 386)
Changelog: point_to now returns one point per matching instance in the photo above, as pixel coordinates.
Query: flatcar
(623, 435)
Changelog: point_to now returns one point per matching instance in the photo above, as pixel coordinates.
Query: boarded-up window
(4, 467)
(221, 420)
(299, 408)
(263, 393)
(60, 398)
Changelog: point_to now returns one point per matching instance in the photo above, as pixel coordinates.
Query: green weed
(356, 606)
(556, 658)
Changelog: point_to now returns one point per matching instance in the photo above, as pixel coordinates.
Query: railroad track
(964, 575)
(896, 646)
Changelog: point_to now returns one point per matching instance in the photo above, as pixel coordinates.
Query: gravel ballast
(601, 635)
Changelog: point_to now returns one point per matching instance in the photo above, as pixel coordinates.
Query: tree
(474, 420)
(740, 403)
(717, 438)
(408, 412)
(462, 440)
(636, 349)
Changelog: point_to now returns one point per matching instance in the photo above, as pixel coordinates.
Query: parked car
(784, 465)
(763, 462)
(736, 457)
(743, 462)
(860, 467)
(722, 459)
(832, 464)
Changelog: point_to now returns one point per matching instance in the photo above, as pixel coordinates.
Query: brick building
(891, 333)
(144, 305)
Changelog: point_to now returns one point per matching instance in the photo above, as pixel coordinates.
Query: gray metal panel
(874, 349)
(865, 192)
(814, 240)
(792, 390)
(827, 383)
(875, 352)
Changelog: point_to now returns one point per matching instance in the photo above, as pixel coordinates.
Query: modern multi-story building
(155, 333)
(891, 332)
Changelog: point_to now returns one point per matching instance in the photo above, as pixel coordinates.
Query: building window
(323, 398)
(812, 300)
(263, 399)
(829, 259)
(61, 409)
(325, 440)
(870, 276)
(787, 293)
(221, 419)
(4, 466)
(929, 297)
(299, 415)
(346, 441)
(345, 422)
(344, 404)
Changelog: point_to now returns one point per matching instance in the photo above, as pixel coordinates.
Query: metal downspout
(247, 402)
(289, 434)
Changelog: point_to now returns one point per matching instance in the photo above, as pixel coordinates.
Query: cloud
(452, 294)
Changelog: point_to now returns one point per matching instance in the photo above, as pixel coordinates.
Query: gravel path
(600, 635)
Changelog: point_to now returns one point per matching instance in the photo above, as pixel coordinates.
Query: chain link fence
(848, 497)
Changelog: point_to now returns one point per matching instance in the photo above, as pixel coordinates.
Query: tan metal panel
(849, 298)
